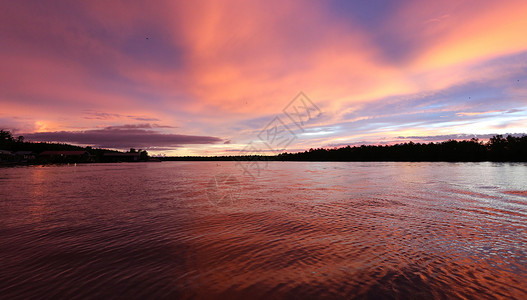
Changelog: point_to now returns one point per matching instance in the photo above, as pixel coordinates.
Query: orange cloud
(211, 67)
(477, 32)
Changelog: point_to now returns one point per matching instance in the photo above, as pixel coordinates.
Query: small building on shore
(6, 156)
(25, 156)
(65, 156)
(121, 157)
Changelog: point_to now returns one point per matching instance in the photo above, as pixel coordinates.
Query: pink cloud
(210, 67)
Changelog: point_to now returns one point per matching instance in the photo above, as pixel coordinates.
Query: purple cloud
(122, 138)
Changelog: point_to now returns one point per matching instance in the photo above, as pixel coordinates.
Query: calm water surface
(297, 230)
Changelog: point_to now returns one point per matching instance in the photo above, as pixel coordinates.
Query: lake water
(295, 230)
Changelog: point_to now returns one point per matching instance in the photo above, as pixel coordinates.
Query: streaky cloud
(463, 136)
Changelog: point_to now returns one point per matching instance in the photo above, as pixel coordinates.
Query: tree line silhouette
(498, 148)
(11, 143)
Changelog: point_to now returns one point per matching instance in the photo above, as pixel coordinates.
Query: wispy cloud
(211, 68)
(138, 126)
(463, 136)
(97, 115)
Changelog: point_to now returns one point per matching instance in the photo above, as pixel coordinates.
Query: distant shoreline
(275, 159)
(496, 149)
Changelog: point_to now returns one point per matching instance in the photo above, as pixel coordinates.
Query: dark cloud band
(122, 138)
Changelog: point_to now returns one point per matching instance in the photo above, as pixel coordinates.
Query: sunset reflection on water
(299, 230)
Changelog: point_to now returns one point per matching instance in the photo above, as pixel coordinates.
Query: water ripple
(299, 231)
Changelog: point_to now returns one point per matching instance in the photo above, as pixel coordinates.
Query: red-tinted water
(296, 230)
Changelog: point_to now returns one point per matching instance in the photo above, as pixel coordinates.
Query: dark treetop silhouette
(497, 148)
(17, 150)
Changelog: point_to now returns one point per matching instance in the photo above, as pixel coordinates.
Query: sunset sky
(206, 77)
